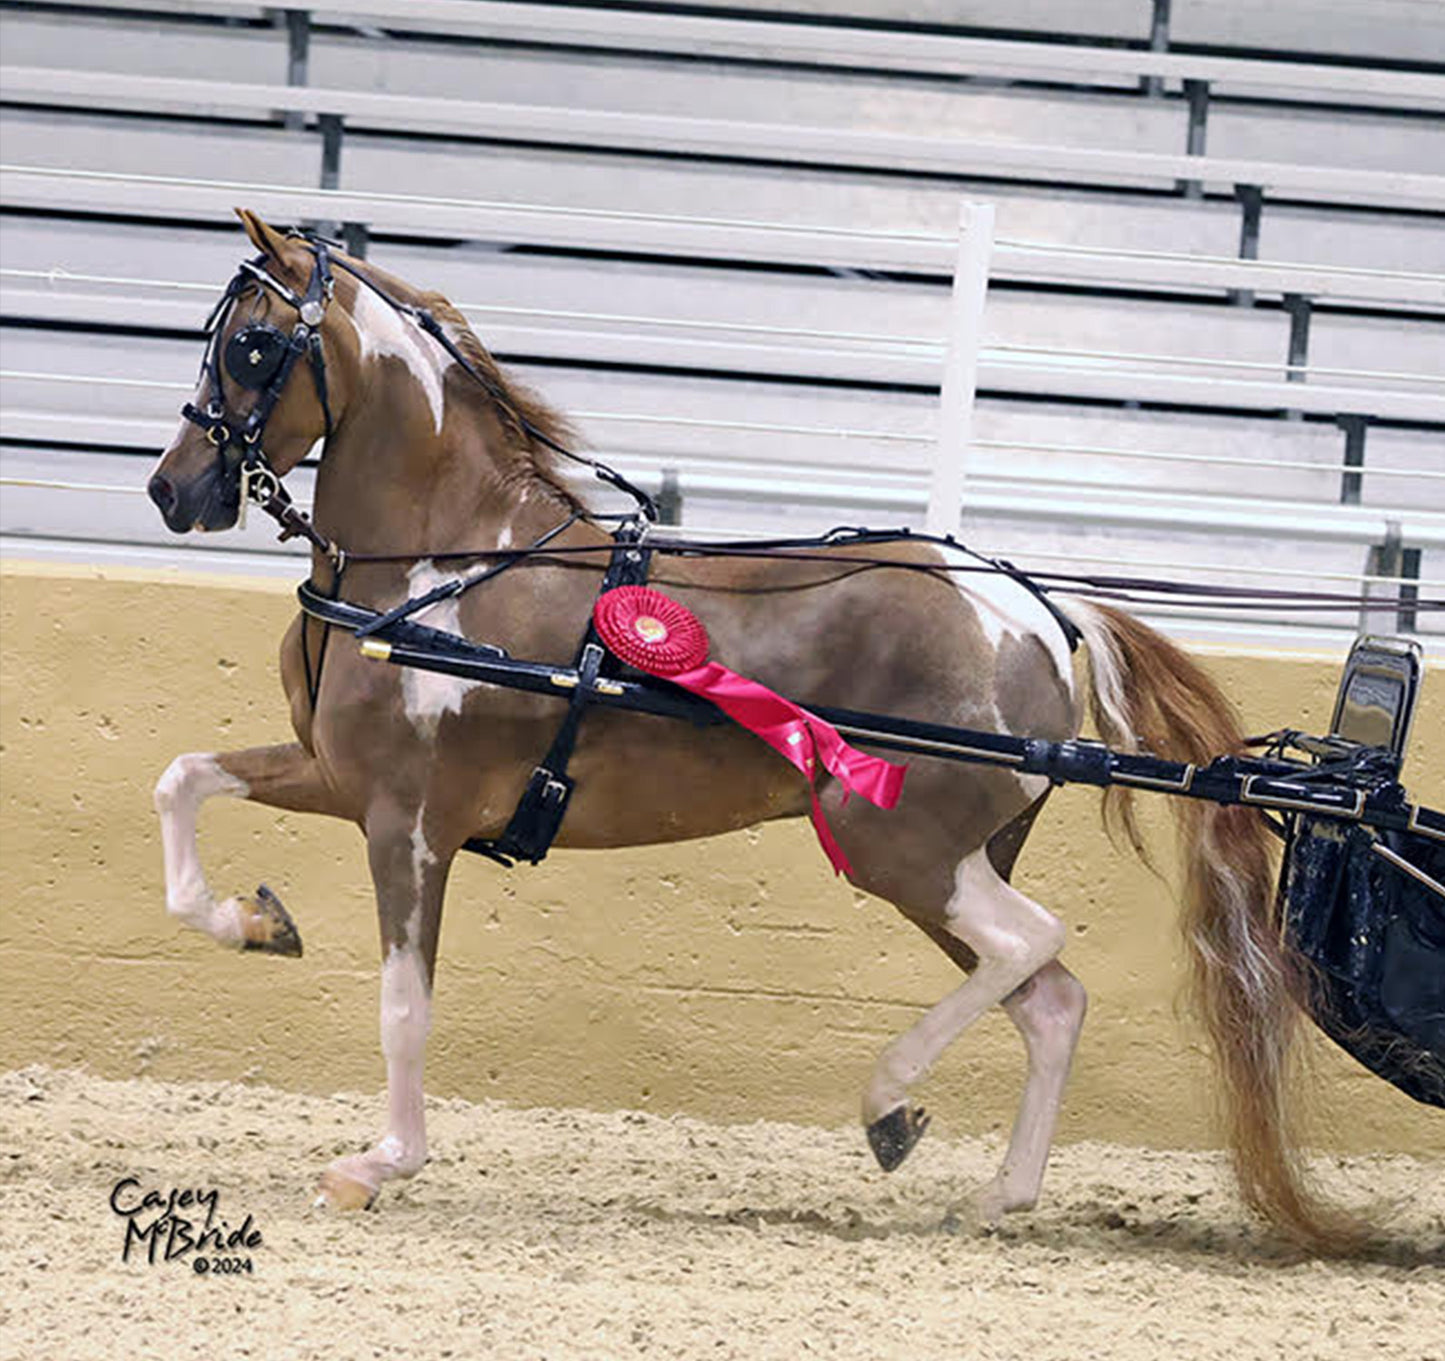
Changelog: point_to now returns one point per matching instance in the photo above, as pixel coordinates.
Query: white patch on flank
(504, 539)
(383, 331)
(187, 781)
(1004, 607)
(428, 695)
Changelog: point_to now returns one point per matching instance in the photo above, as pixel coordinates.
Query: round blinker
(255, 353)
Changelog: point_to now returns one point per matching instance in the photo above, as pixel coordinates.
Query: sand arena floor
(567, 1234)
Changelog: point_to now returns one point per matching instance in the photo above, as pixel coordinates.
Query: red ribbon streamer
(654, 633)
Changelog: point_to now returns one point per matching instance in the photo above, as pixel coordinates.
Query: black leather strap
(538, 818)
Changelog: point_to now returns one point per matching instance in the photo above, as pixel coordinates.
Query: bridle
(261, 356)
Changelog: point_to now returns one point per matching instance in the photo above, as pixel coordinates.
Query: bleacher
(1214, 341)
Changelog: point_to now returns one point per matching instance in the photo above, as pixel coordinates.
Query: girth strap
(538, 818)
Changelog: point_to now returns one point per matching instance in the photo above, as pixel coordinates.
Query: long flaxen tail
(1147, 692)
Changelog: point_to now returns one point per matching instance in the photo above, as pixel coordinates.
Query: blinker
(255, 353)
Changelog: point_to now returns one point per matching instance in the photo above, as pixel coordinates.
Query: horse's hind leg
(1010, 939)
(1049, 1013)
(283, 777)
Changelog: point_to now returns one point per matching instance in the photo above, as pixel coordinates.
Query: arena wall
(731, 978)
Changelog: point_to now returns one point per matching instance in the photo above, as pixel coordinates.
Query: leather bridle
(262, 357)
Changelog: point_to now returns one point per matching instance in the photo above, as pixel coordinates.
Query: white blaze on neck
(428, 695)
(384, 331)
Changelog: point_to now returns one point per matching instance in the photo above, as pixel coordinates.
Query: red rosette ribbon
(652, 632)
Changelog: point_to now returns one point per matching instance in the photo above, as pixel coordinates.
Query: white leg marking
(1049, 1013)
(1013, 938)
(178, 795)
(405, 1025)
(383, 331)
(428, 695)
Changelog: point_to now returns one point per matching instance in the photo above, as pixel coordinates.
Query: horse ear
(288, 254)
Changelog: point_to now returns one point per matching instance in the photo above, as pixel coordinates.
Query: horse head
(251, 416)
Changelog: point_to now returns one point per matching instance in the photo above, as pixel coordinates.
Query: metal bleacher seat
(593, 201)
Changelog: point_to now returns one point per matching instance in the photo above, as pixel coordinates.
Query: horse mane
(526, 459)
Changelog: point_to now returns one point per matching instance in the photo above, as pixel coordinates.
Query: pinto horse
(433, 458)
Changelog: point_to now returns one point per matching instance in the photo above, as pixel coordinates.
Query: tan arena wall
(733, 978)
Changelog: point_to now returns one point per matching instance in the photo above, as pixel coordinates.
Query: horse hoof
(892, 1136)
(340, 1192)
(268, 926)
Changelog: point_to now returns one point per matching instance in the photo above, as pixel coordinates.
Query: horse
(434, 461)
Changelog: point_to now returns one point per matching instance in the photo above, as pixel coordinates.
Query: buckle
(256, 480)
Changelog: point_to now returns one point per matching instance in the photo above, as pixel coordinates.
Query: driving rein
(261, 357)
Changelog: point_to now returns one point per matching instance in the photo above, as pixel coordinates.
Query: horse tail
(1243, 977)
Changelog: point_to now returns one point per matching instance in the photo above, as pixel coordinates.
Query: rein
(262, 357)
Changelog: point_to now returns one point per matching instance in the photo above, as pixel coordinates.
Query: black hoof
(891, 1137)
(271, 928)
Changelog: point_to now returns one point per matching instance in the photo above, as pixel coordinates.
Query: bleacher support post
(1299, 308)
(960, 368)
(1251, 202)
(1153, 86)
(357, 236)
(298, 53)
(1401, 565)
(1197, 93)
(669, 499)
(1351, 483)
(331, 133)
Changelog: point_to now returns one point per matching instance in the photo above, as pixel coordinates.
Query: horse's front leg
(284, 776)
(410, 879)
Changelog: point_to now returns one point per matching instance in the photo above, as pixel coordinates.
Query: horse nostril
(162, 492)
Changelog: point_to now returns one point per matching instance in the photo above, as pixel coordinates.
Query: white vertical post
(960, 368)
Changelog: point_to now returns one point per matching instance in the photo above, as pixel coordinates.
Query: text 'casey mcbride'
(156, 1220)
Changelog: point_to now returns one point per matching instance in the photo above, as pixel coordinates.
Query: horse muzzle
(209, 502)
